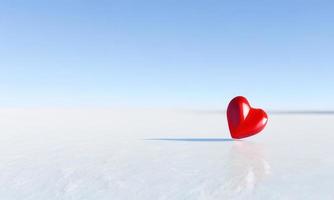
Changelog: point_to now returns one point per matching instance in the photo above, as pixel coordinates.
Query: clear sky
(194, 54)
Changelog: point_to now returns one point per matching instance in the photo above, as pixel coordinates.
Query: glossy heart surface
(243, 120)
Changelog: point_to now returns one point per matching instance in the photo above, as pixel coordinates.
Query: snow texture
(90, 154)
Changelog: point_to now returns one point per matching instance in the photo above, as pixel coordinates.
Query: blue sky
(194, 54)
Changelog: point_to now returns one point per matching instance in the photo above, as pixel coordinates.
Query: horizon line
(279, 112)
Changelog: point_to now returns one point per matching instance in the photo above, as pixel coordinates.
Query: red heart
(243, 120)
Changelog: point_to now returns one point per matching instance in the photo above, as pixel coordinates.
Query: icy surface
(160, 154)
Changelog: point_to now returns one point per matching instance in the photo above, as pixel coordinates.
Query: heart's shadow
(195, 139)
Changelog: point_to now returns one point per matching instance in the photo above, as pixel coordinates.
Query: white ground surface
(105, 154)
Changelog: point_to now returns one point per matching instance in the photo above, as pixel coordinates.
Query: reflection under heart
(248, 167)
